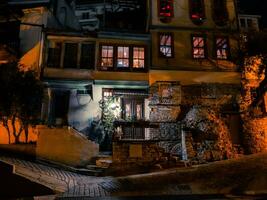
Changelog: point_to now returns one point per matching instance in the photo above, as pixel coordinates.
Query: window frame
(165, 19)
(81, 55)
(227, 49)
(66, 58)
(123, 58)
(106, 68)
(138, 58)
(115, 58)
(161, 55)
(220, 13)
(199, 20)
(205, 46)
(54, 65)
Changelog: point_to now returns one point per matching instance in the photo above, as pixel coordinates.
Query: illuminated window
(70, 56)
(107, 56)
(118, 57)
(138, 57)
(222, 48)
(87, 56)
(199, 46)
(197, 11)
(166, 44)
(54, 53)
(123, 57)
(220, 12)
(107, 92)
(165, 10)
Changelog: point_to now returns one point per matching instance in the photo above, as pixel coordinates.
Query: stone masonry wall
(165, 99)
(134, 152)
(255, 135)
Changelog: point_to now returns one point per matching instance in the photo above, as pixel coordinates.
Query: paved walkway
(65, 183)
(70, 184)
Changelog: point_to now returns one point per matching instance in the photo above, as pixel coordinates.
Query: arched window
(197, 11)
(220, 12)
(165, 9)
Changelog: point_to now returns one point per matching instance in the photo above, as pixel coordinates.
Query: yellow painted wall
(65, 145)
(194, 77)
(33, 135)
(182, 18)
(183, 60)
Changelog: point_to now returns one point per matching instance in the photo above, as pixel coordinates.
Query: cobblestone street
(64, 183)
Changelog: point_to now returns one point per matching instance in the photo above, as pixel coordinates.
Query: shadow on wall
(95, 132)
(33, 135)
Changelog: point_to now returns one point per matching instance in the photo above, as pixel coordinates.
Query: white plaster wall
(83, 109)
(71, 20)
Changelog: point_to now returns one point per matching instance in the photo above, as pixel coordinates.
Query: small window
(166, 45)
(54, 53)
(107, 92)
(222, 48)
(138, 57)
(86, 15)
(220, 12)
(123, 57)
(87, 56)
(197, 11)
(107, 56)
(199, 47)
(70, 56)
(165, 10)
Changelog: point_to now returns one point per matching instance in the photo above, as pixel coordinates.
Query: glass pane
(138, 63)
(138, 111)
(128, 111)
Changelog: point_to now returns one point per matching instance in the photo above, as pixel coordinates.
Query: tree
(20, 100)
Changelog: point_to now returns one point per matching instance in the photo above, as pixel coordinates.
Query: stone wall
(255, 135)
(208, 134)
(136, 152)
(165, 100)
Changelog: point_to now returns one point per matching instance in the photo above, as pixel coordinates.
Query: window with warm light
(138, 57)
(166, 45)
(197, 11)
(123, 57)
(199, 47)
(107, 92)
(126, 58)
(107, 56)
(222, 48)
(165, 10)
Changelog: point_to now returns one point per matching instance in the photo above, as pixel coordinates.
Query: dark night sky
(258, 7)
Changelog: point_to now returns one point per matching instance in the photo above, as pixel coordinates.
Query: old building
(146, 74)
(146, 67)
(195, 43)
(82, 68)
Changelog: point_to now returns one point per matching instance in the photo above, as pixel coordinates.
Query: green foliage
(108, 115)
